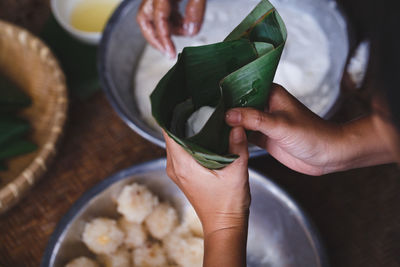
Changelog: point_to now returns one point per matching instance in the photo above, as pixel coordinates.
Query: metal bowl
(279, 232)
(122, 45)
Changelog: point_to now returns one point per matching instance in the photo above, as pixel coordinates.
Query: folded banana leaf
(237, 72)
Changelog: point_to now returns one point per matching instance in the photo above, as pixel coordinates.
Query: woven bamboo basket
(30, 64)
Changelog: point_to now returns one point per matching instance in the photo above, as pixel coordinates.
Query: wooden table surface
(356, 212)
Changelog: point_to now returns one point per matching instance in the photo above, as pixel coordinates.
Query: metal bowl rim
(61, 228)
(104, 75)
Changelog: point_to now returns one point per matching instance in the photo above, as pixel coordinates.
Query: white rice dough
(162, 221)
(102, 235)
(150, 255)
(136, 202)
(197, 120)
(192, 221)
(120, 258)
(82, 262)
(135, 233)
(183, 248)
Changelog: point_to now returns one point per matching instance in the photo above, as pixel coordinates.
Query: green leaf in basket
(16, 148)
(11, 97)
(3, 166)
(237, 72)
(12, 128)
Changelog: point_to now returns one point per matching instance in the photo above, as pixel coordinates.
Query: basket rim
(15, 190)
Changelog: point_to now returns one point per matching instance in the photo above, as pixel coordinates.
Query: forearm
(360, 145)
(226, 247)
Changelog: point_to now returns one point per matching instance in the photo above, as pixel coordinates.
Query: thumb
(238, 145)
(251, 119)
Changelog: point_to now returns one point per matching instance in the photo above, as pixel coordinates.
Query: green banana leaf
(16, 148)
(11, 128)
(11, 97)
(3, 166)
(237, 72)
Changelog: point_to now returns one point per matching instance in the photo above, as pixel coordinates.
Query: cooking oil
(92, 15)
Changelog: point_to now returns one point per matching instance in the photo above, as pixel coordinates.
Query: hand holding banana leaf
(237, 72)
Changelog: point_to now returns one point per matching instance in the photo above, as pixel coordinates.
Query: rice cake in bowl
(279, 232)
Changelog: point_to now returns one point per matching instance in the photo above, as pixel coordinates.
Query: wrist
(225, 222)
(358, 145)
(226, 246)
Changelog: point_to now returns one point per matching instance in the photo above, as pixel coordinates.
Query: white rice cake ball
(150, 255)
(82, 262)
(191, 219)
(135, 233)
(181, 231)
(102, 236)
(120, 258)
(136, 202)
(162, 221)
(186, 250)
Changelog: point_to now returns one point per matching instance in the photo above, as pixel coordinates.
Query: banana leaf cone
(237, 72)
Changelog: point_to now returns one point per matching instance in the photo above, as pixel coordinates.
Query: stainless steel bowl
(122, 45)
(279, 232)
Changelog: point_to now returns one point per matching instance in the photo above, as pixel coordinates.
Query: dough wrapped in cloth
(237, 72)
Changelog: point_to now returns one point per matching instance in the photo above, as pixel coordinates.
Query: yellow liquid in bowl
(92, 15)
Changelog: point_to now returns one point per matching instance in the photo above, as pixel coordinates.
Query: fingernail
(170, 52)
(190, 28)
(170, 55)
(233, 117)
(237, 135)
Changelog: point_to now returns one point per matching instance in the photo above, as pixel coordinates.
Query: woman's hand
(221, 199)
(159, 19)
(306, 143)
(289, 132)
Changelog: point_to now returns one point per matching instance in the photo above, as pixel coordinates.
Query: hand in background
(221, 199)
(159, 19)
(304, 142)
